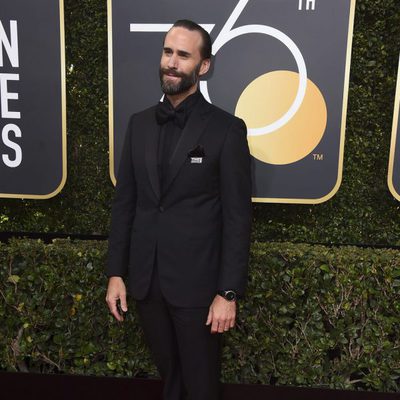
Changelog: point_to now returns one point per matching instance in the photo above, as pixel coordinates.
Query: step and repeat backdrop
(32, 98)
(286, 65)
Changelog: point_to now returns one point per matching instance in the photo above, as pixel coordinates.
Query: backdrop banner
(394, 158)
(32, 99)
(283, 66)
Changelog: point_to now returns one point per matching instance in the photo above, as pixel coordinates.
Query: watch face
(230, 295)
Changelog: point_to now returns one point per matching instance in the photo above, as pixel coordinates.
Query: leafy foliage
(314, 316)
(319, 316)
(54, 312)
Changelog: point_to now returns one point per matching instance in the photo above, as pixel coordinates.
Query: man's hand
(222, 315)
(116, 291)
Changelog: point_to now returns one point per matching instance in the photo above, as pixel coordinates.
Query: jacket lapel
(151, 149)
(194, 127)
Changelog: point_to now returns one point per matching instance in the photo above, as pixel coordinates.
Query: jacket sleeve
(235, 189)
(122, 212)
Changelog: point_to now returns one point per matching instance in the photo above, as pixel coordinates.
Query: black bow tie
(165, 113)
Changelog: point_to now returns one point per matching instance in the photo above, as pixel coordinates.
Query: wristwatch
(229, 295)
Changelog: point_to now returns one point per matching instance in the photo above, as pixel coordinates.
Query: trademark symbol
(318, 157)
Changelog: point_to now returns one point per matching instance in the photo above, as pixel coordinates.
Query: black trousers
(186, 354)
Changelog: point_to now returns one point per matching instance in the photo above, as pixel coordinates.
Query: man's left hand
(222, 315)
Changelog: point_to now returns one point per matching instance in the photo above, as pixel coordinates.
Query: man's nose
(173, 62)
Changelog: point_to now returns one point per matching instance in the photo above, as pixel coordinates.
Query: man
(181, 216)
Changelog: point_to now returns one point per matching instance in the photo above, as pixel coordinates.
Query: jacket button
(161, 208)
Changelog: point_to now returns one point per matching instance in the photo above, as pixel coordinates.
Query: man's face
(181, 62)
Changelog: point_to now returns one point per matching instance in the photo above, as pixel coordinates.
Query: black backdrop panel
(32, 96)
(394, 159)
(283, 66)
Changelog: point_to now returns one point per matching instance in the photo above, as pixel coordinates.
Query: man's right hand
(116, 291)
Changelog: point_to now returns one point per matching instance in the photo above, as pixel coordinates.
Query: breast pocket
(200, 173)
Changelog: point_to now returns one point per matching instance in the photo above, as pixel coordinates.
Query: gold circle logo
(265, 100)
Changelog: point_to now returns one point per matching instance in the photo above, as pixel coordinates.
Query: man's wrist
(115, 277)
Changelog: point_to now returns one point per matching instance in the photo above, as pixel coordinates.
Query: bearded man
(180, 222)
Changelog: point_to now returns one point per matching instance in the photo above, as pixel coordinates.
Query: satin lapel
(152, 133)
(195, 126)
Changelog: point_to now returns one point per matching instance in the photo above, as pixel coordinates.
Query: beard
(183, 85)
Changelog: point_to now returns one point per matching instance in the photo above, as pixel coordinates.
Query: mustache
(172, 72)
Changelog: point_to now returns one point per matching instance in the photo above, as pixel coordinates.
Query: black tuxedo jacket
(199, 227)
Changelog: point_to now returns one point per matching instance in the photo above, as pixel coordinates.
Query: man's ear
(205, 66)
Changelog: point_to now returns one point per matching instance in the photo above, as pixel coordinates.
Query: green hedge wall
(363, 211)
(314, 316)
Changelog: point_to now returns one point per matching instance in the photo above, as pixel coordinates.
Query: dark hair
(205, 50)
